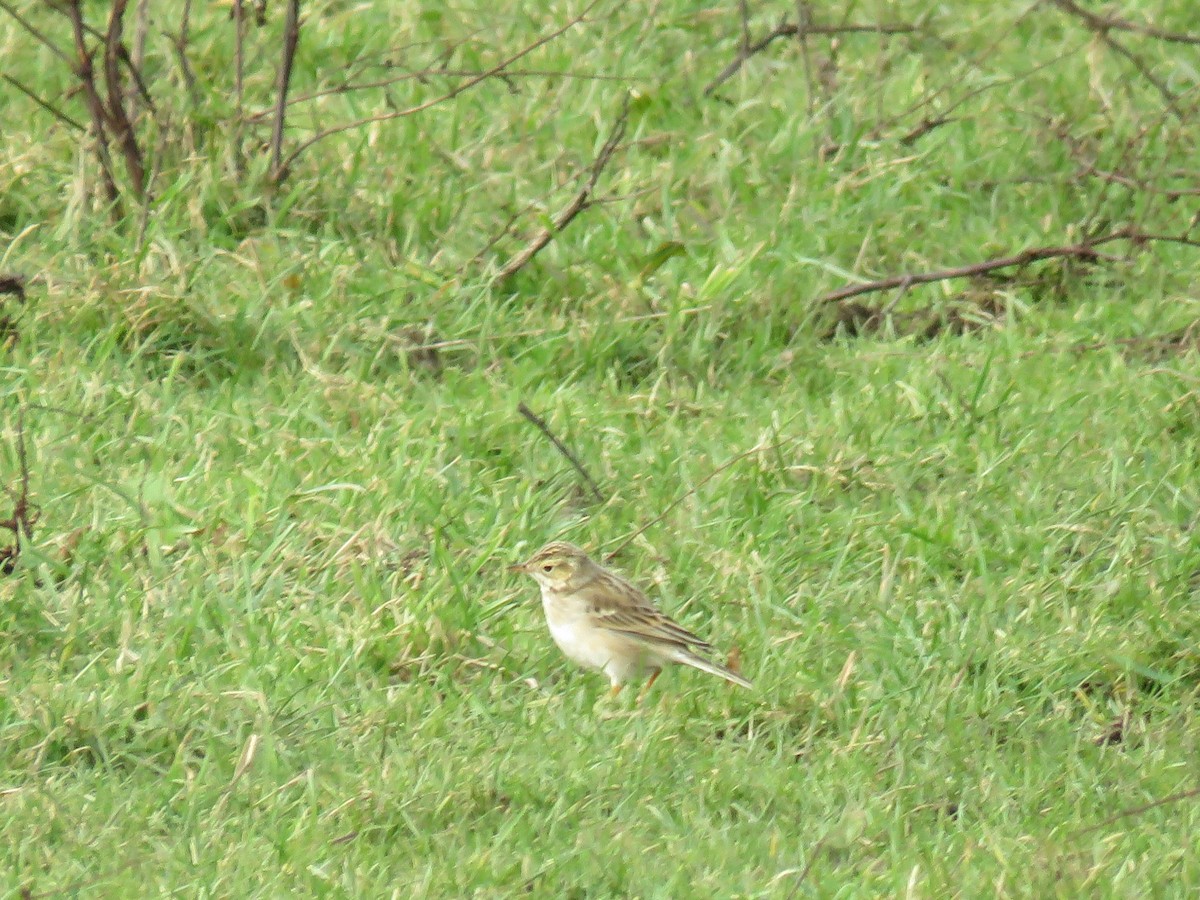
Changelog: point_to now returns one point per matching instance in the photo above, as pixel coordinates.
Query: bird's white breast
(574, 636)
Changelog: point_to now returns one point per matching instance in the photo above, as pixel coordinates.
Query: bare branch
(423, 74)
(1085, 250)
(578, 204)
(291, 37)
(54, 111)
(1101, 27)
(449, 95)
(1138, 810)
(562, 448)
(1102, 23)
(758, 448)
(86, 75)
(789, 29)
(54, 48)
(114, 50)
(24, 513)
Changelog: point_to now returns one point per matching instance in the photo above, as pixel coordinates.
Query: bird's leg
(649, 683)
(615, 689)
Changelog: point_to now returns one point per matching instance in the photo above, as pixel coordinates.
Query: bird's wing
(618, 606)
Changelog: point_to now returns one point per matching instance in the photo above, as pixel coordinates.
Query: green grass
(263, 642)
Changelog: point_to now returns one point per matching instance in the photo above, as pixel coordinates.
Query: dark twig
(24, 513)
(812, 858)
(1138, 810)
(562, 448)
(114, 50)
(449, 95)
(1102, 23)
(581, 201)
(789, 29)
(239, 73)
(291, 37)
(759, 448)
(54, 111)
(422, 75)
(803, 24)
(1085, 250)
(54, 48)
(86, 74)
(1089, 169)
(136, 58)
(1101, 27)
(180, 43)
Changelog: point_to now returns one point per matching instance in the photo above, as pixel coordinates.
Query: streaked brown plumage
(601, 621)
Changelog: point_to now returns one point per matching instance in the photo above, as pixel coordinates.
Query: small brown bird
(601, 621)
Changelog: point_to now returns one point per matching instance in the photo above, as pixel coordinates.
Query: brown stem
(788, 29)
(291, 37)
(449, 95)
(562, 448)
(1085, 250)
(117, 116)
(578, 204)
(86, 75)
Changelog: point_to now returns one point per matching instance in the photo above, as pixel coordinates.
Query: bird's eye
(547, 568)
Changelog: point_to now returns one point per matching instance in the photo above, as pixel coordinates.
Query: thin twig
(1089, 169)
(114, 50)
(789, 29)
(57, 113)
(759, 448)
(812, 858)
(24, 513)
(581, 201)
(1102, 23)
(348, 87)
(449, 95)
(239, 73)
(1138, 810)
(1101, 27)
(86, 75)
(291, 37)
(562, 448)
(1086, 250)
(137, 56)
(54, 48)
(180, 43)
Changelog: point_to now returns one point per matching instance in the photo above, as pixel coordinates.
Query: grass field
(262, 641)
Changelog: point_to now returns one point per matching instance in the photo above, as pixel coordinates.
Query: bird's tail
(707, 665)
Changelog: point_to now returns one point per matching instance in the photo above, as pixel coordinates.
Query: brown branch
(1138, 810)
(789, 29)
(1103, 23)
(578, 204)
(86, 75)
(114, 49)
(449, 95)
(1101, 27)
(291, 37)
(1085, 250)
(759, 448)
(562, 448)
(57, 113)
(239, 81)
(180, 43)
(1089, 169)
(423, 74)
(812, 858)
(24, 514)
(54, 48)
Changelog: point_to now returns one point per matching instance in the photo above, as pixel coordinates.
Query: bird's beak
(519, 568)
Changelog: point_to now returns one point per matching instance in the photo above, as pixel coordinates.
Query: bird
(601, 621)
